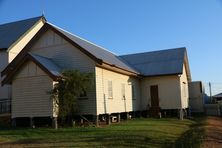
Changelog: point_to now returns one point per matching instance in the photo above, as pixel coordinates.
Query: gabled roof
(98, 54)
(48, 64)
(156, 63)
(44, 63)
(217, 95)
(96, 51)
(11, 32)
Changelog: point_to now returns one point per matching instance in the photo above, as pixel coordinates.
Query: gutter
(1, 49)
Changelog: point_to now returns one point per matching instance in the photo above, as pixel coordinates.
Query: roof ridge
(156, 61)
(163, 50)
(21, 20)
(94, 50)
(82, 39)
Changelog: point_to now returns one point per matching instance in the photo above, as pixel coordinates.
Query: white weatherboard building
(196, 96)
(33, 60)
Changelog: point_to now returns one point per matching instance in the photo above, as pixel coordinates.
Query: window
(5, 106)
(83, 95)
(123, 91)
(110, 90)
(133, 92)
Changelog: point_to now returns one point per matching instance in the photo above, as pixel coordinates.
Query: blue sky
(131, 26)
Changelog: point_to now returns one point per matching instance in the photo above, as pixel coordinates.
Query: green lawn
(144, 132)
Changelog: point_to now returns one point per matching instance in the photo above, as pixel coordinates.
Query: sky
(132, 26)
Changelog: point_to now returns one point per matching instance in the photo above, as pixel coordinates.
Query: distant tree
(67, 91)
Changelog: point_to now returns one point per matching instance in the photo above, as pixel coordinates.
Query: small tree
(67, 91)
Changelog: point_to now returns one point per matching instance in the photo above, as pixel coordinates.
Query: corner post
(13, 123)
(31, 124)
(127, 116)
(181, 114)
(118, 117)
(54, 123)
(96, 120)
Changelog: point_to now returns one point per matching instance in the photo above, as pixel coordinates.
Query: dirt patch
(213, 137)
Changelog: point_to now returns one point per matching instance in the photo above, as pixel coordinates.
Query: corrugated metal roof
(218, 95)
(163, 62)
(10, 32)
(148, 64)
(96, 50)
(48, 64)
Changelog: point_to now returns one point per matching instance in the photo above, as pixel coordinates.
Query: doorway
(154, 96)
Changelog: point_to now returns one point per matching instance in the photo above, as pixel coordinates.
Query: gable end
(8, 78)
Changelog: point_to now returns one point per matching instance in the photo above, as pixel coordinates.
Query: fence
(213, 109)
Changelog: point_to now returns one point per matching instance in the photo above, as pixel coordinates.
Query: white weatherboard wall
(62, 53)
(116, 104)
(30, 93)
(16, 47)
(66, 56)
(7, 56)
(169, 91)
(184, 89)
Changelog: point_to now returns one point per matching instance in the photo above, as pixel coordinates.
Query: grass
(194, 136)
(144, 132)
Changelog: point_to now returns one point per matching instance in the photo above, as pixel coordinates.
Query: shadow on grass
(103, 138)
(114, 140)
(137, 133)
(194, 136)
